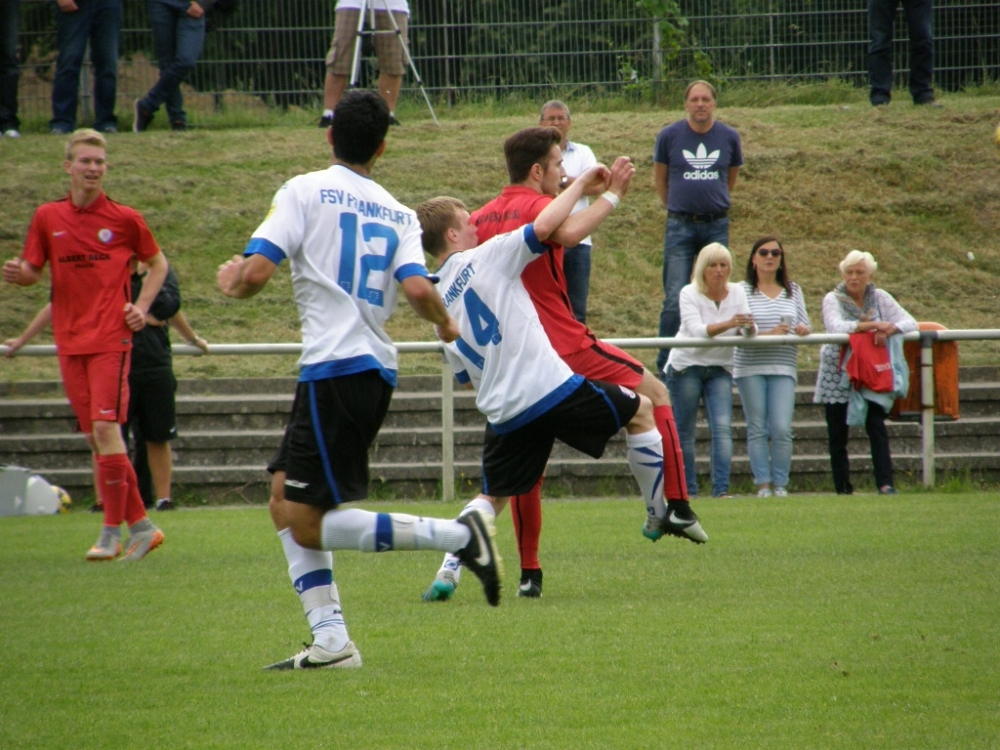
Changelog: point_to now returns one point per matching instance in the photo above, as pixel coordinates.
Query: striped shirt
(767, 313)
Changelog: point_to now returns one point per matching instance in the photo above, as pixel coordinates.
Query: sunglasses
(765, 251)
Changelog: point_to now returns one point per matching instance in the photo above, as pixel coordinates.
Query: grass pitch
(812, 622)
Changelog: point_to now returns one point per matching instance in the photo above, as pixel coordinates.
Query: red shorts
(97, 387)
(608, 363)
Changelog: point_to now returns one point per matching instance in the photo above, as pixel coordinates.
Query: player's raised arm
(583, 223)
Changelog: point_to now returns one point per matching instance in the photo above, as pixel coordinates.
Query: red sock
(526, 511)
(135, 509)
(674, 486)
(113, 479)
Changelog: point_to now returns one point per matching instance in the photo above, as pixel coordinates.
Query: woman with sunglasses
(766, 375)
(710, 306)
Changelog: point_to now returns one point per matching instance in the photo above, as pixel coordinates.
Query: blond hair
(84, 137)
(709, 254)
(436, 217)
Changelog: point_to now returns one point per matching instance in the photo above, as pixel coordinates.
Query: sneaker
(142, 118)
(682, 522)
(765, 492)
(480, 555)
(887, 490)
(59, 131)
(178, 125)
(780, 492)
(314, 657)
(442, 589)
(109, 129)
(12, 133)
(107, 547)
(530, 589)
(164, 503)
(326, 121)
(141, 543)
(394, 121)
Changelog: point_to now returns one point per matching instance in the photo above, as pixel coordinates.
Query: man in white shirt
(348, 242)
(577, 159)
(527, 392)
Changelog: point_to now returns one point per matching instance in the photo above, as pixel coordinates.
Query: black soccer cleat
(480, 555)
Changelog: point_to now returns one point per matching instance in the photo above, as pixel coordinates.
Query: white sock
(645, 459)
(353, 528)
(452, 564)
(311, 572)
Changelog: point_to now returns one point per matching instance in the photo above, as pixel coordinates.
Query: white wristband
(611, 198)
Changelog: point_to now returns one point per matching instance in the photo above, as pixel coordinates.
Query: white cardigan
(697, 313)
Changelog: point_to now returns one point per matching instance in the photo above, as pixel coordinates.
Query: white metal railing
(927, 339)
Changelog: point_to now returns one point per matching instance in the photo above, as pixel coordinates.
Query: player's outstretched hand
(447, 332)
(12, 270)
(620, 177)
(134, 317)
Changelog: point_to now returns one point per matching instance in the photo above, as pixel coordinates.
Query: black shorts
(324, 452)
(586, 420)
(152, 414)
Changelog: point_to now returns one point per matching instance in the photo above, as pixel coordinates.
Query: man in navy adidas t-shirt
(695, 164)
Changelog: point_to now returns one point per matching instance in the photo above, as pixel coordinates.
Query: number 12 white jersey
(348, 242)
(503, 349)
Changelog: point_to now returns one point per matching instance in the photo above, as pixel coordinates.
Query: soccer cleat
(97, 507)
(530, 589)
(314, 657)
(142, 119)
(164, 503)
(480, 555)
(326, 121)
(141, 543)
(442, 589)
(682, 522)
(393, 121)
(107, 547)
(651, 529)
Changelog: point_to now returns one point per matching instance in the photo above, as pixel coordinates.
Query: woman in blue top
(766, 375)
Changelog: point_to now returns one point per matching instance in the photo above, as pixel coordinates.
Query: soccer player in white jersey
(528, 394)
(348, 242)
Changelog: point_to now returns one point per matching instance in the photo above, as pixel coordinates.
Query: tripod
(367, 8)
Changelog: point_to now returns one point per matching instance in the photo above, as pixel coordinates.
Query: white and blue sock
(311, 572)
(353, 528)
(645, 459)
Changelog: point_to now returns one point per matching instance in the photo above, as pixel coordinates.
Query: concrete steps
(230, 428)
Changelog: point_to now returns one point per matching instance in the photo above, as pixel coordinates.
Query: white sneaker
(780, 492)
(314, 657)
(12, 133)
(765, 492)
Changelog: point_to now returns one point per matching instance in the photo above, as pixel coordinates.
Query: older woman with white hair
(856, 306)
(710, 306)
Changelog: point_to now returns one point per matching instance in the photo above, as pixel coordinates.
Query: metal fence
(270, 54)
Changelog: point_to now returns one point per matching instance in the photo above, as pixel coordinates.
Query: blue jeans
(100, 22)
(714, 386)
(881, 14)
(576, 266)
(768, 404)
(178, 40)
(9, 68)
(682, 243)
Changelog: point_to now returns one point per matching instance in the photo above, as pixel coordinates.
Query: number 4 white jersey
(503, 349)
(348, 242)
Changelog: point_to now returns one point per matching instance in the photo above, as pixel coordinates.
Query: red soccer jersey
(90, 252)
(544, 279)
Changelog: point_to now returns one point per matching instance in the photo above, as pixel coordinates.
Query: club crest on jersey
(628, 392)
(105, 235)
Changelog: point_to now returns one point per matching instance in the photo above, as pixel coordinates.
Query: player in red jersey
(90, 243)
(534, 166)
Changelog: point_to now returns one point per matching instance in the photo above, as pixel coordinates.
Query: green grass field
(812, 622)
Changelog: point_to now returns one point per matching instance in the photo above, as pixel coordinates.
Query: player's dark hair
(360, 122)
(528, 147)
(782, 274)
(436, 217)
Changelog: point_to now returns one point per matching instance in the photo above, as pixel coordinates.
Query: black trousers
(838, 432)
